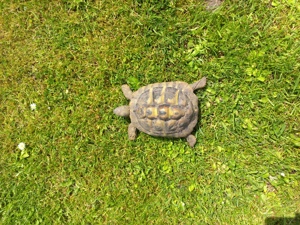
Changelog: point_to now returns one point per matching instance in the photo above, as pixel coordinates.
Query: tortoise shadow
(199, 123)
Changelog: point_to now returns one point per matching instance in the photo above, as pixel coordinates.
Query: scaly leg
(131, 132)
(199, 84)
(127, 92)
(191, 139)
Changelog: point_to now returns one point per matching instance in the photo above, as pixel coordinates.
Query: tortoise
(168, 109)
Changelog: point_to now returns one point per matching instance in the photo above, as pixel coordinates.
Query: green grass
(71, 57)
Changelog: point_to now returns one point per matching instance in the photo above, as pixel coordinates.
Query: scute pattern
(165, 109)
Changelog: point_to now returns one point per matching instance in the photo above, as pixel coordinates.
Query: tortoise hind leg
(199, 84)
(131, 132)
(191, 139)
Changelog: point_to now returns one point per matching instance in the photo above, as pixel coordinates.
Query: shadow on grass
(283, 220)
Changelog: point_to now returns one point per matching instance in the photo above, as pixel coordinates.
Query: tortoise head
(122, 111)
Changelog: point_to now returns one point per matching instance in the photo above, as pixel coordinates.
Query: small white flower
(33, 106)
(282, 174)
(21, 146)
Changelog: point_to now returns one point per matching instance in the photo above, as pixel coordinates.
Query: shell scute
(165, 109)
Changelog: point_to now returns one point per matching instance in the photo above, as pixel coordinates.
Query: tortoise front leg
(131, 132)
(191, 139)
(127, 92)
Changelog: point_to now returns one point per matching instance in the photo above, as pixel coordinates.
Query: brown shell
(165, 109)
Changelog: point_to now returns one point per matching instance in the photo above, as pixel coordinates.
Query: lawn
(62, 64)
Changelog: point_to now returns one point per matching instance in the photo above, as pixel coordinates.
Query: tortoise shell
(167, 109)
